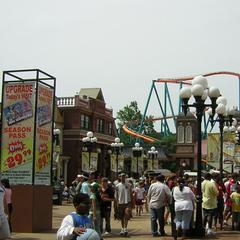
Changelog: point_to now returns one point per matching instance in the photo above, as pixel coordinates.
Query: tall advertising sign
(18, 131)
(43, 142)
(213, 152)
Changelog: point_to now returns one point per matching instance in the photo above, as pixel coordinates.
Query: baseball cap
(81, 176)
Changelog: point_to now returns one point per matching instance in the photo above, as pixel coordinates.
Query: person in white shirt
(124, 201)
(184, 204)
(4, 227)
(159, 196)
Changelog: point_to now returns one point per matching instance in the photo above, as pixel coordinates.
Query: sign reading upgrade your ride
(18, 132)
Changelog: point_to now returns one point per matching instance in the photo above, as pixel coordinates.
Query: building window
(110, 128)
(85, 122)
(188, 134)
(100, 125)
(180, 134)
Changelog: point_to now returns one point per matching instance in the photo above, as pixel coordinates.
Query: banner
(17, 132)
(114, 163)
(149, 165)
(152, 164)
(228, 152)
(85, 160)
(237, 156)
(140, 165)
(120, 163)
(43, 142)
(213, 151)
(93, 161)
(137, 165)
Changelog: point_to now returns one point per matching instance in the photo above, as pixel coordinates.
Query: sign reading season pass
(17, 132)
(43, 144)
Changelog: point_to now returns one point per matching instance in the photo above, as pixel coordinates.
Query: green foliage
(132, 116)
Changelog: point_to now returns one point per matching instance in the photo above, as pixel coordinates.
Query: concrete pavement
(139, 227)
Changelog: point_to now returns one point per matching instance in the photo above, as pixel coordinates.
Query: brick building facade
(85, 112)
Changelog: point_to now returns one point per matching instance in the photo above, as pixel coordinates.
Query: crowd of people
(94, 199)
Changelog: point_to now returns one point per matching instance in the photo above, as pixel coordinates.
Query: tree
(131, 116)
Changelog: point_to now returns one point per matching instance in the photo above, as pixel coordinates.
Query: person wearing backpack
(77, 225)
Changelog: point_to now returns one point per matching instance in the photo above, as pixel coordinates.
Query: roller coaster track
(188, 78)
(139, 135)
(181, 80)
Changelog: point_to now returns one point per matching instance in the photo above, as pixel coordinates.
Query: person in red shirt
(230, 187)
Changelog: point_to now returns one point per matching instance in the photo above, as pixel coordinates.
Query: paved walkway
(139, 227)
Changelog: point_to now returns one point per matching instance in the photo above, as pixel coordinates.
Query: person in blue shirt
(76, 224)
(86, 185)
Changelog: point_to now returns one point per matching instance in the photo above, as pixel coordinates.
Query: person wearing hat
(124, 200)
(81, 179)
(95, 210)
(86, 185)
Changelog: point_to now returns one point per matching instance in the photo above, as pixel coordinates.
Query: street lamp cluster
(116, 147)
(88, 144)
(200, 91)
(152, 154)
(137, 152)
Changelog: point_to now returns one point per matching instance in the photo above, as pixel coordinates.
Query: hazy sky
(122, 45)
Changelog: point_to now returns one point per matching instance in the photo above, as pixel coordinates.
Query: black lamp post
(200, 92)
(116, 147)
(182, 168)
(137, 152)
(224, 117)
(56, 133)
(152, 154)
(88, 144)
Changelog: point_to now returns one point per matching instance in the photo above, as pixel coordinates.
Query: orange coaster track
(182, 79)
(139, 135)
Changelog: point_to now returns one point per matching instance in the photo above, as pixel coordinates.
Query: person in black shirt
(107, 196)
